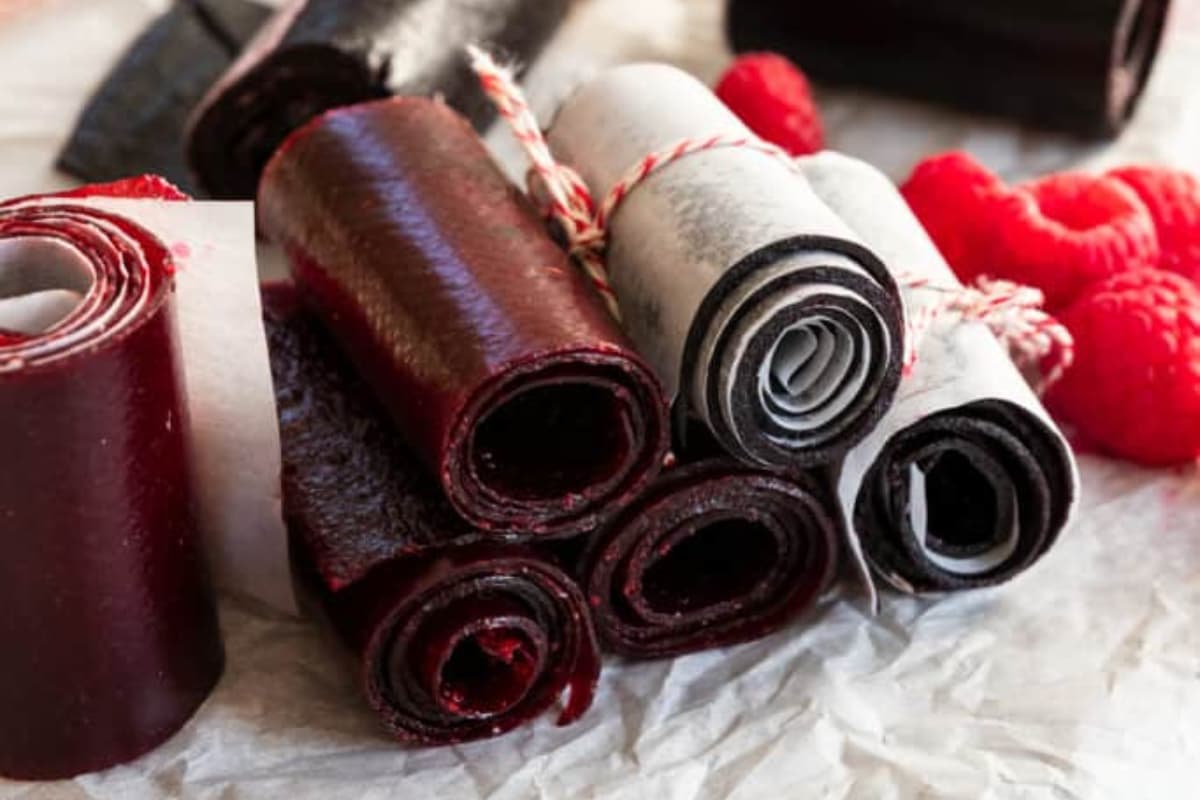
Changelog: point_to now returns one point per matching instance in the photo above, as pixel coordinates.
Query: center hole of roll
(718, 563)
(960, 505)
(42, 280)
(551, 440)
(487, 673)
(807, 366)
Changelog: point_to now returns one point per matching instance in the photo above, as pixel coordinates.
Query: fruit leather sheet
(315, 55)
(715, 553)
(1072, 65)
(966, 482)
(134, 123)
(495, 357)
(457, 635)
(763, 313)
(109, 635)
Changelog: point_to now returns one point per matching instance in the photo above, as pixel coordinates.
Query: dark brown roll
(1072, 65)
(458, 635)
(714, 554)
(495, 357)
(315, 55)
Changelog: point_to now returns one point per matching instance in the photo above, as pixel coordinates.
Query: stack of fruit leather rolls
(494, 356)
(1072, 65)
(459, 634)
(766, 317)
(315, 55)
(966, 481)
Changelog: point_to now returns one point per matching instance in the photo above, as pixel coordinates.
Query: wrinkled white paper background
(1079, 680)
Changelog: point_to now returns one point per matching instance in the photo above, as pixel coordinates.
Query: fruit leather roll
(966, 482)
(494, 356)
(135, 121)
(458, 635)
(713, 554)
(1072, 65)
(109, 632)
(315, 55)
(763, 313)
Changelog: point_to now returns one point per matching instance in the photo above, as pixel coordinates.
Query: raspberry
(1173, 199)
(954, 197)
(1065, 231)
(772, 96)
(1134, 389)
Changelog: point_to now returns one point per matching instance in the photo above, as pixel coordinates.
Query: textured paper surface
(1078, 680)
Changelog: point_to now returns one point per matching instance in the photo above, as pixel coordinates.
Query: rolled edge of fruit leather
(494, 355)
(134, 123)
(967, 481)
(715, 553)
(1079, 65)
(459, 635)
(316, 55)
(763, 314)
(110, 634)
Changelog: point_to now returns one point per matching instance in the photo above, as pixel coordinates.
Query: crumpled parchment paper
(1081, 679)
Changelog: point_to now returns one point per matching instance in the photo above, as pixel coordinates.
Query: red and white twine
(1012, 311)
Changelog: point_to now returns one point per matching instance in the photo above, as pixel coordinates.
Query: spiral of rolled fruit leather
(1074, 65)
(495, 357)
(316, 55)
(758, 308)
(966, 481)
(713, 554)
(459, 635)
(109, 633)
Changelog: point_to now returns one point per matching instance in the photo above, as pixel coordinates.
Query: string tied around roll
(1013, 312)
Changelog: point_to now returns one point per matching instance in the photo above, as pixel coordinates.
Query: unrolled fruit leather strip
(966, 482)
(715, 553)
(494, 355)
(1072, 65)
(459, 635)
(316, 55)
(109, 633)
(759, 309)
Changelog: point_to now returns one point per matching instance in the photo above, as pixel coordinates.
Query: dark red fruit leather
(459, 635)
(494, 356)
(109, 631)
(714, 554)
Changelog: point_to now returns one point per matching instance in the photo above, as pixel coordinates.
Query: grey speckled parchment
(758, 307)
(1007, 480)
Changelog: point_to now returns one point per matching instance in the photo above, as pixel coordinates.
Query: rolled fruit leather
(109, 634)
(457, 634)
(316, 55)
(967, 481)
(1073, 65)
(714, 554)
(494, 356)
(764, 315)
(135, 121)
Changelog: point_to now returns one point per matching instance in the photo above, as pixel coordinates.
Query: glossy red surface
(109, 632)
(494, 356)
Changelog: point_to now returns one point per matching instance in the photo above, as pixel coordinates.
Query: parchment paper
(1079, 680)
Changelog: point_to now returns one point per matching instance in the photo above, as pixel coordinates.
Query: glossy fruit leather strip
(109, 634)
(714, 554)
(761, 312)
(460, 635)
(316, 55)
(495, 357)
(135, 121)
(1072, 65)
(966, 482)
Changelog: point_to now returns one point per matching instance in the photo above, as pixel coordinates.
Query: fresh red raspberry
(955, 198)
(1134, 389)
(773, 98)
(1173, 199)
